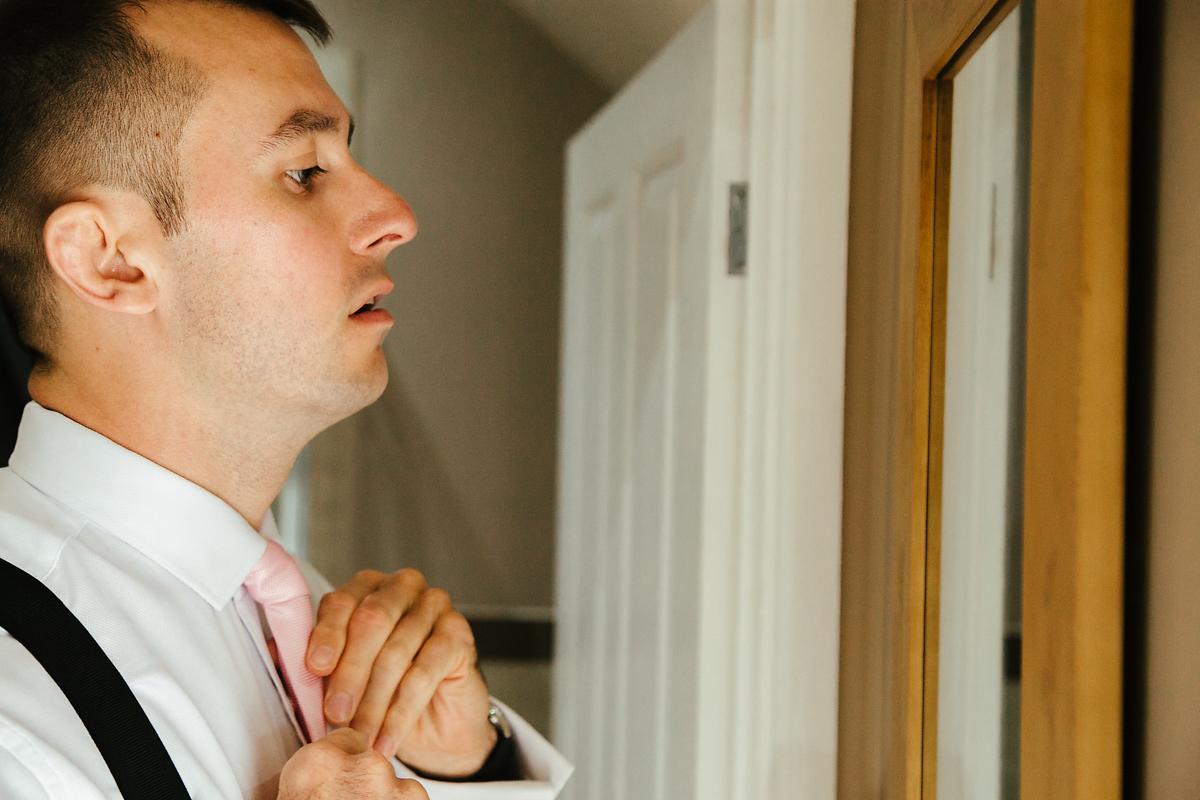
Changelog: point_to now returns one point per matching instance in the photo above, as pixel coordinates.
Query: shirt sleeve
(30, 770)
(23, 773)
(45, 751)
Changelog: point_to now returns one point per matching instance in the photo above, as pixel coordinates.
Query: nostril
(387, 227)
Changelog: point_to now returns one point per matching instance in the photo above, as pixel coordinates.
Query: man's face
(258, 292)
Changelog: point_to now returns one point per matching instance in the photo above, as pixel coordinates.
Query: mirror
(979, 626)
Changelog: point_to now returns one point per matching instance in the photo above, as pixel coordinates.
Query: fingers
(448, 653)
(333, 615)
(369, 627)
(395, 658)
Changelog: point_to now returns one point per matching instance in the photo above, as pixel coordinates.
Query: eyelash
(307, 176)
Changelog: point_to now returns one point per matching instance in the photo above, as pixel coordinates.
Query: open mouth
(371, 311)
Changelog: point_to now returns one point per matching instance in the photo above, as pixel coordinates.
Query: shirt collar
(187, 530)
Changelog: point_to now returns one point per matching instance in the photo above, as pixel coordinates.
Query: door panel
(646, 188)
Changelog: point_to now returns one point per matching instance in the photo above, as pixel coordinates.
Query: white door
(651, 329)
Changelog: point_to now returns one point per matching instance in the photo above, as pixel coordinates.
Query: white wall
(465, 110)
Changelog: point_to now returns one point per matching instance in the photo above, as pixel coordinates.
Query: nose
(387, 224)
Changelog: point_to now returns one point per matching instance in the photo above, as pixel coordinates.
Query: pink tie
(276, 584)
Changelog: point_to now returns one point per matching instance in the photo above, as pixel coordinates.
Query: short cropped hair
(85, 100)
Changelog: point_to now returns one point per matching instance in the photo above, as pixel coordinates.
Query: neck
(239, 453)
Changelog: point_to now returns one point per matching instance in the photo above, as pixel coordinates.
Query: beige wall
(465, 111)
(1173, 669)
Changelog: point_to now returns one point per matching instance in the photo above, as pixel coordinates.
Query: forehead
(257, 69)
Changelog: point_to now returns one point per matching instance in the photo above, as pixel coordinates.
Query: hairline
(159, 176)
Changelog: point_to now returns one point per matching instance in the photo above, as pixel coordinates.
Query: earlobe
(83, 246)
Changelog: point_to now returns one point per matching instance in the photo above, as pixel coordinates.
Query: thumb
(347, 740)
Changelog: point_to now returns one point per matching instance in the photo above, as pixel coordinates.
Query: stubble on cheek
(251, 329)
(236, 331)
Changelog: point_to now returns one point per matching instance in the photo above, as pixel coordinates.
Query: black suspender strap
(35, 617)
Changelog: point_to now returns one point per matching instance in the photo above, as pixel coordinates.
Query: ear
(95, 257)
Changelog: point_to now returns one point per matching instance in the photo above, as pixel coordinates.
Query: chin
(356, 392)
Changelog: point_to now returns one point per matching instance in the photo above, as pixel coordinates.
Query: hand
(341, 765)
(402, 671)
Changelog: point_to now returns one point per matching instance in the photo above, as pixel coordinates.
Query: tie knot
(275, 578)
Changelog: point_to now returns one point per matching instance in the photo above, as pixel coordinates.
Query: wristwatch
(499, 721)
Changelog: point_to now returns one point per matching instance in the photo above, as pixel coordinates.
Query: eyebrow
(304, 122)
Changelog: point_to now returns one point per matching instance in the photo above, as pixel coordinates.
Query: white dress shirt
(153, 565)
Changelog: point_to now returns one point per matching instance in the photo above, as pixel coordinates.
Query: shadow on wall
(404, 513)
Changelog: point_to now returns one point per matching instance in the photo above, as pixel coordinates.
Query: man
(195, 259)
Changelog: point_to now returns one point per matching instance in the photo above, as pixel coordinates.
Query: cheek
(301, 268)
(280, 259)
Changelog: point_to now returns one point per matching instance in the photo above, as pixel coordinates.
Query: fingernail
(337, 707)
(385, 746)
(322, 656)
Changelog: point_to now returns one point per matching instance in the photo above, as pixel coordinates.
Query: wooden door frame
(1075, 368)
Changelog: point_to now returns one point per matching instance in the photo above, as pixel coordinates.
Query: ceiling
(611, 39)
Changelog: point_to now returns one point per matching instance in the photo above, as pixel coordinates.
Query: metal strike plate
(738, 222)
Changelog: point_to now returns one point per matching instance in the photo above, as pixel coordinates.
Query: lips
(370, 299)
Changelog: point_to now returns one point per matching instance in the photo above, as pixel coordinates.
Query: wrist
(500, 763)
(457, 764)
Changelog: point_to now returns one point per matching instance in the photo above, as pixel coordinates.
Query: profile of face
(285, 238)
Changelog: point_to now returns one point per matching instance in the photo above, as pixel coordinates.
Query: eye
(304, 177)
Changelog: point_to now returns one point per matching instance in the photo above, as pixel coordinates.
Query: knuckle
(393, 657)
(372, 613)
(411, 790)
(411, 578)
(368, 774)
(372, 763)
(299, 774)
(437, 597)
(315, 761)
(457, 624)
(372, 576)
(434, 651)
(420, 677)
(337, 600)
